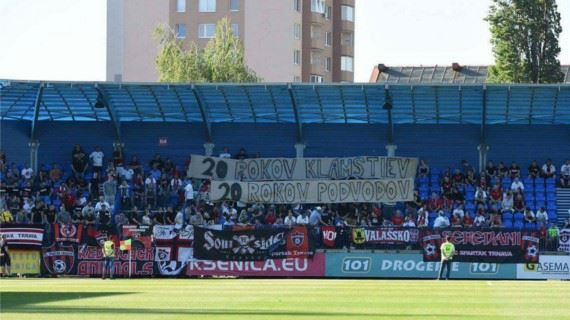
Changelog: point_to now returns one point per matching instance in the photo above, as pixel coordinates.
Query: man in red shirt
(397, 218)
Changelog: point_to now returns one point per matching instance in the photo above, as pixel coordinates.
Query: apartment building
(284, 40)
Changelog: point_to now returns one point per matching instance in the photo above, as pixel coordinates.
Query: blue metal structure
(284, 103)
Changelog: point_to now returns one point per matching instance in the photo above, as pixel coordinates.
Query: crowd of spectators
(106, 191)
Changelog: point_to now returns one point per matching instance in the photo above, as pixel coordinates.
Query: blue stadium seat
(552, 216)
(518, 224)
(551, 189)
(540, 204)
(507, 216)
(469, 196)
(551, 206)
(508, 224)
(432, 215)
(528, 182)
(530, 226)
(519, 216)
(551, 197)
(469, 206)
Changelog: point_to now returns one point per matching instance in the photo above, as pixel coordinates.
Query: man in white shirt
(189, 192)
(27, 173)
(97, 159)
(226, 153)
(303, 219)
(441, 221)
(548, 169)
(290, 219)
(517, 185)
(459, 212)
(101, 204)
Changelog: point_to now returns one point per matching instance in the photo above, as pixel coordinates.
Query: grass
(26, 299)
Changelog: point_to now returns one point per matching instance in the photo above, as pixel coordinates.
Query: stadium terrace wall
(442, 145)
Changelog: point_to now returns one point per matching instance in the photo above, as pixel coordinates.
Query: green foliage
(221, 61)
(524, 35)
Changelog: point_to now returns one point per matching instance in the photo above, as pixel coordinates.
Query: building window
(315, 31)
(315, 78)
(180, 30)
(206, 31)
(328, 64)
(347, 13)
(346, 63)
(180, 5)
(315, 58)
(346, 39)
(297, 5)
(318, 6)
(297, 57)
(328, 13)
(235, 29)
(234, 5)
(297, 31)
(328, 39)
(207, 6)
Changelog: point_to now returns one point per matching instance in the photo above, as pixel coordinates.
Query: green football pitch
(25, 299)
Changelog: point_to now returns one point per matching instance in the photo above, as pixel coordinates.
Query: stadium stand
(446, 125)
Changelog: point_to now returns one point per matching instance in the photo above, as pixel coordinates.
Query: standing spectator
(529, 216)
(397, 218)
(490, 169)
(241, 154)
(541, 218)
(135, 165)
(459, 212)
(508, 201)
(226, 153)
(27, 172)
(447, 250)
(548, 170)
(552, 237)
(63, 217)
(481, 196)
(110, 191)
(423, 168)
(496, 195)
(514, 170)
(118, 160)
(156, 163)
(502, 170)
(290, 219)
(480, 220)
(519, 203)
(441, 221)
(409, 222)
(189, 193)
(78, 161)
(150, 190)
(423, 215)
(5, 261)
(435, 203)
(533, 170)
(96, 158)
(517, 186)
(303, 218)
(565, 175)
(55, 173)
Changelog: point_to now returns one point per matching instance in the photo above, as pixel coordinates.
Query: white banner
(548, 267)
(279, 169)
(388, 190)
(23, 236)
(564, 240)
(169, 232)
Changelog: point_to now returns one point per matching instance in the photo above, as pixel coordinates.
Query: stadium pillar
(483, 149)
(300, 150)
(208, 149)
(34, 146)
(391, 150)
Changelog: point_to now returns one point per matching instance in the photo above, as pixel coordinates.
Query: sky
(65, 39)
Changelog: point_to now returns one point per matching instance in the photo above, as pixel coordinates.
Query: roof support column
(391, 147)
(34, 144)
(300, 145)
(103, 98)
(204, 116)
(483, 148)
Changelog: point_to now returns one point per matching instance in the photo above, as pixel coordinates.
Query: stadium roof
(284, 103)
(437, 74)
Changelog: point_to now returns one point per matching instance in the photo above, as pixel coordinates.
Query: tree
(524, 35)
(221, 61)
